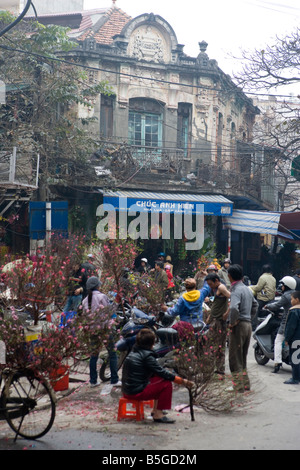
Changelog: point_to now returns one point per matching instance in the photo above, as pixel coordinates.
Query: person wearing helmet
(169, 263)
(144, 266)
(211, 269)
(161, 257)
(288, 287)
(223, 273)
(171, 285)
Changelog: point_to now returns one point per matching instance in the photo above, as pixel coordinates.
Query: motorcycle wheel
(260, 357)
(104, 372)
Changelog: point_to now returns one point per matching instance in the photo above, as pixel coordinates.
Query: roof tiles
(111, 23)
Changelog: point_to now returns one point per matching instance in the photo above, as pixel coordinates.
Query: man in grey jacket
(243, 307)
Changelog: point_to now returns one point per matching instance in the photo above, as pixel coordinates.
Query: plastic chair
(136, 411)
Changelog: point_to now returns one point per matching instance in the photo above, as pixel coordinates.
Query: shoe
(106, 389)
(164, 420)
(118, 384)
(94, 385)
(276, 368)
(164, 412)
(291, 382)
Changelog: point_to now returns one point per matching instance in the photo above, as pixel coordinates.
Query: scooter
(265, 335)
(167, 343)
(129, 324)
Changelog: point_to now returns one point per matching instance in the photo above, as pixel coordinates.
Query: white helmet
(289, 281)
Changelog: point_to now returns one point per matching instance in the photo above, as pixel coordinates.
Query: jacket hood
(191, 296)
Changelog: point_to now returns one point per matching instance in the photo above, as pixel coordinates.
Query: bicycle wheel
(29, 404)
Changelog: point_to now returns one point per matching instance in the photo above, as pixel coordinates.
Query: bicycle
(27, 403)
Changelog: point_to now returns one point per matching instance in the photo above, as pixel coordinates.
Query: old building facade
(186, 125)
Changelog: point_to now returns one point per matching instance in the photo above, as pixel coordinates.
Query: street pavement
(268, 419)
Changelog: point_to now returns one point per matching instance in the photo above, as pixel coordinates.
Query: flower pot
(59, 379)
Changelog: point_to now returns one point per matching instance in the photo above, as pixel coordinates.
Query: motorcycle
(265, 335)
(129, 320)
(167, 339)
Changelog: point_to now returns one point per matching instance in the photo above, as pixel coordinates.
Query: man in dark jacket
(76, 289)
(292, 337)
(297, 277)
(144, 379)
(288, 287)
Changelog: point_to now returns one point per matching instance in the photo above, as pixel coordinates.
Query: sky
(228, 26)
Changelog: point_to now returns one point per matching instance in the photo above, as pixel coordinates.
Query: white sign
(2, 92)
(2, 353)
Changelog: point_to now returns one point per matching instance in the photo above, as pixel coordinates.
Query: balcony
(154, 168)
(18, 177)
(18, 170)
(155, 159)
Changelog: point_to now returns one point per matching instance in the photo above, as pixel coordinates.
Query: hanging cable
(17, 20)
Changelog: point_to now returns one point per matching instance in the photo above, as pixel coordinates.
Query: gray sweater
(243, 305)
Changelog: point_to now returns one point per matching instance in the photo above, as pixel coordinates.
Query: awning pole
(48, 222)
(229, 243)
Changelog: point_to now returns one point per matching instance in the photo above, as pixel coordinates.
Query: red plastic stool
(137, 410)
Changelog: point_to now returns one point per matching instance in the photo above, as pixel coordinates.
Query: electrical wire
(276, 7)
(198, 149)
(226, 146)
(17, 20)
(234, 88)
(208, 138)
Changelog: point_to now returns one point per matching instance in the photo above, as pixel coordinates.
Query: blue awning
(147, 201)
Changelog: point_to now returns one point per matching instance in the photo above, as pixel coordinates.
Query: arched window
(145, 120)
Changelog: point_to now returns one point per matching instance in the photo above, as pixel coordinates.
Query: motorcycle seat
(167, 335)
(198, 326)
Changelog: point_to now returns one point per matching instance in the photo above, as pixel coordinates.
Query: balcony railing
(211, 177)
(156, 158)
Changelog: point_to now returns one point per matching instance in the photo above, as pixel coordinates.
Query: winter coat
(292, 329)
(161, 279)
(285, 303)
(170, 277)
(139, 366)
(243, 305)
(298, 282)
(99, 300)
(189, 305)
(265, 289)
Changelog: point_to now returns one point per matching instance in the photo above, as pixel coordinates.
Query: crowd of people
(235, 311)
